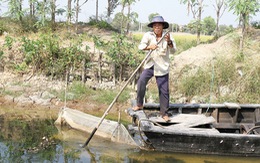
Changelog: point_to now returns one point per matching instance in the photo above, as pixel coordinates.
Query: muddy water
(41, 141)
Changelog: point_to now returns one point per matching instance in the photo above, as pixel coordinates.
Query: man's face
(158, 28)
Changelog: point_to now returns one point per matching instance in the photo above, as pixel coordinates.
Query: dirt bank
(33, 97)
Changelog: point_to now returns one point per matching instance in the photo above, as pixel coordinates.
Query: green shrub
(79, 89)
(195, 84)
(21, 67)
(28, 24)
(2, 28)
(100, 24)
(107, 96)
(9, 42)
(256, 24)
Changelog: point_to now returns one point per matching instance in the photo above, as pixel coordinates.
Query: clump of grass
(107, 96)
(195, 84)
(11, 93)
(241, 88)
(250, 84)
(76, 90)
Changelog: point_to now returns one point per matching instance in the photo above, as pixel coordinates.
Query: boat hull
(218, 144)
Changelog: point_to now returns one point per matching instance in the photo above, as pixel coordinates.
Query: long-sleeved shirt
(159, 57)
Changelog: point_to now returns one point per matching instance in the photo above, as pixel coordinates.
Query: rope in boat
(65, 93)
(211, 85)
(252, 129)
(139, 129)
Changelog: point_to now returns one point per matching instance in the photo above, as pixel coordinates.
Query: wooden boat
(221, 129)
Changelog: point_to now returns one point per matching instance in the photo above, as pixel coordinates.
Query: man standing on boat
(157, 64)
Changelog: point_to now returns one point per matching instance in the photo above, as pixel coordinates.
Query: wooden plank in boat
(174, 129)
(186, 120)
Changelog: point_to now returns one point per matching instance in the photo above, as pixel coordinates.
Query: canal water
(41, 141)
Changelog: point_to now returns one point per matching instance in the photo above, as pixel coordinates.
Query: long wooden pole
(119, 93)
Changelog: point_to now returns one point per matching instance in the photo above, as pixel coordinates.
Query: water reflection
(41, 141)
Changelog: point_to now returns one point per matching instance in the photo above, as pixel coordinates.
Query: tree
(208, 25)
(244, 9)
(69, 12)
(42, 10)
(96, 10)
(32, 4)
(15, 9)
(223, 29)
(150, 17)
(77, 10)
(196, 7)
(53, 13)
(220, 7)
(112, 4)
(121, 52)
(117, 21)
(123, 3)
(130, 15)
(99, 44)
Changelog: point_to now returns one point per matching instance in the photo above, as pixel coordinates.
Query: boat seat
(186, 120)
(235, 107)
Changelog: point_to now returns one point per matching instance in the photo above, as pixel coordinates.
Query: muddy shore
(33, 98)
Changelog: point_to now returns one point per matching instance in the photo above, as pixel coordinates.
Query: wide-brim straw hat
(158, 19)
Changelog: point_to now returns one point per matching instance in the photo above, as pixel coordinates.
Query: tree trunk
(220, 4)
(217, 24)
(69, 12)
(77, 15)
(83, 74)
(20, 9)
(120, 73)
(128, 18)
(122, 15)
(96, 10)
(100, 67)
(32, 8)
(244, 21)
(199, 22)
(114, 72)
(111, 5)
(53, 10)
(109, 8)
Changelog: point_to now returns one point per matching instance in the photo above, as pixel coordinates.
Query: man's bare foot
(166, 118)
(136, 108)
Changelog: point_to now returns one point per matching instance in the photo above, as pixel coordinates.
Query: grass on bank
(79, 91)
(223, 81)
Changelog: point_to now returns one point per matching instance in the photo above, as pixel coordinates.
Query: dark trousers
(163, 88)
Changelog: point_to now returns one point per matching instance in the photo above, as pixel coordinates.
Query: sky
(171, 10)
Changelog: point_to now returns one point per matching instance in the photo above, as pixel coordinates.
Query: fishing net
(78, 120)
